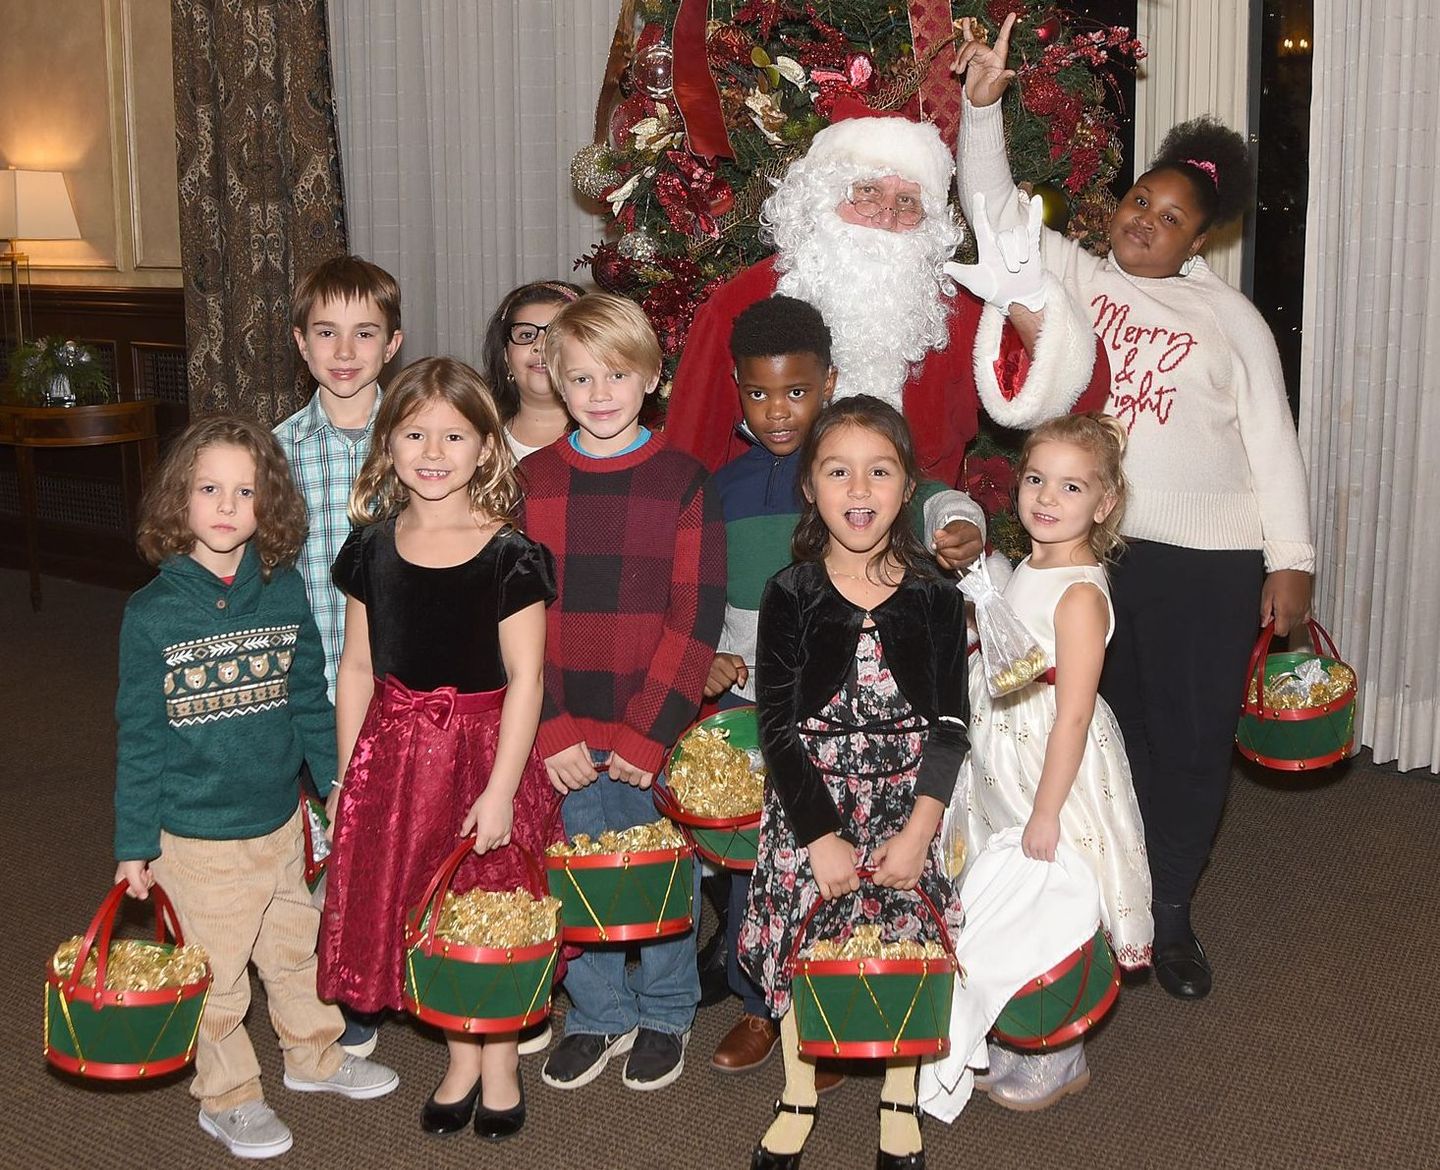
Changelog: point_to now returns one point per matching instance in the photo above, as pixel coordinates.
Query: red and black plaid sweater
(639, 544)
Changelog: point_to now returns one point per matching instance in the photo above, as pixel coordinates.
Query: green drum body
(466, 988)
(1065, 1002)
(873, 1008)
(113, 1034)
(623, 897)
(730, 842)
(1294, 740)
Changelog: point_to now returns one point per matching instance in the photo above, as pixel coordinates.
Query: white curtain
(457, 121)
(1370, 381)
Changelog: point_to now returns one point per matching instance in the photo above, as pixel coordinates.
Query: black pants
(1185, 623)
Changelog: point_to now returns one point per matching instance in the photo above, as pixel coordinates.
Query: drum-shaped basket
(313, 824)
(1294, 740)
(117, 1035)
(473, 989)
(623, 897)
(873, 1008)
(1065, 1002)
(727, 841)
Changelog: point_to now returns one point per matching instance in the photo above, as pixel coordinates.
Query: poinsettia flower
(653, 135)
(990, 482)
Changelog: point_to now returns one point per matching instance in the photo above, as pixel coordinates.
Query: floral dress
(867, 743)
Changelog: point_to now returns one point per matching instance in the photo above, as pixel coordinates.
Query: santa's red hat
(890, 144)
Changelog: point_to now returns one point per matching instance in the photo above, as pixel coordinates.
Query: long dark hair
(903, 543)
(497, 335)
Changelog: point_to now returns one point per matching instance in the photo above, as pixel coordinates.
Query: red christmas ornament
(624, 117)
(1047, 32)
(729, 45)
(611, 270)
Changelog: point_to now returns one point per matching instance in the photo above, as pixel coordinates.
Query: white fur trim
(1060, 367)
(896, 146)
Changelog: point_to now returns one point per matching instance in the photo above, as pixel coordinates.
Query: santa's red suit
(984, 363)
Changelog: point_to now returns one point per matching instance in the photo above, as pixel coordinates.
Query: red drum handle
(1319, 639)
(434, 897)
(1319, 635)
(867, 874)
(103, 925)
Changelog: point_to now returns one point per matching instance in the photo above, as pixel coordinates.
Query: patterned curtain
(260, 196)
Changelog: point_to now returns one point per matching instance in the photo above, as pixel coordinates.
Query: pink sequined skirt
(420, 761)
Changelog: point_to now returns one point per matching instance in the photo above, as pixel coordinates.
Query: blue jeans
(663, 990)
(741, 984)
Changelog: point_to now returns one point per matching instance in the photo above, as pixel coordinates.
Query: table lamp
(34, 205)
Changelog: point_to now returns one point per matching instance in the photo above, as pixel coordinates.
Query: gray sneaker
(250, 1130)
(356, 1078)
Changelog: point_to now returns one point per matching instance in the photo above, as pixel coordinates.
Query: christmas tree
(706, 101)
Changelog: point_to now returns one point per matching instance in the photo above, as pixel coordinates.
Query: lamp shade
(34, 205)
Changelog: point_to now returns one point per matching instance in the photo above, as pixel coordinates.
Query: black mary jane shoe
(450, 1118)
(886, 1161)
(495, 1125)
(763, 1159)
(1182, 969)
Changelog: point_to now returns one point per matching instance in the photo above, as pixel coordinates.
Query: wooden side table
(29, 427)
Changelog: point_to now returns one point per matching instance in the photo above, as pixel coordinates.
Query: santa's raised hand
(1008, 270)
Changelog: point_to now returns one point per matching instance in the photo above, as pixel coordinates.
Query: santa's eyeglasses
(867, 200)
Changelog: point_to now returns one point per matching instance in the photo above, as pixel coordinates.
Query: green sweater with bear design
(222, 695)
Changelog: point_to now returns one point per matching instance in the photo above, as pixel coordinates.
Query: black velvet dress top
(449, 617)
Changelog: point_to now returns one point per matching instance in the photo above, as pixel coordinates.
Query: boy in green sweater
(222, 695)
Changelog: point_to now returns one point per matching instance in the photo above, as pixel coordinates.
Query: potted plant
(51, 371)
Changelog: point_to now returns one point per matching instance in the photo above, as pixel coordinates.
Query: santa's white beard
(880, 294)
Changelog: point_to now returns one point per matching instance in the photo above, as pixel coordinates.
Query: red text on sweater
(1136, 387)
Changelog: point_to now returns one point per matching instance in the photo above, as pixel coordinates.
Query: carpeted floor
(1321, 912)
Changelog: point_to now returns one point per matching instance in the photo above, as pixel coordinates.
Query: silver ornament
(638, 245)
(591, 172)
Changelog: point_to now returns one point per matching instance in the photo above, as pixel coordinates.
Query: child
(439, 698)
(862, 709)
(222, 695)
(1049, 755)
(1217, 529)
(641, 554)
(533, 414)
(345, 315)
(781, 350)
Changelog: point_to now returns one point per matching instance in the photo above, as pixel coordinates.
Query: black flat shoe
(763, 1159)
(452, 1118)
(495, 1125)
(885, 1161)
(1182, 969)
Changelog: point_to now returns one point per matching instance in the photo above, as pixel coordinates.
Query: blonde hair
(164, 528)
(612, 328)
(378, 493)
(1104, 438)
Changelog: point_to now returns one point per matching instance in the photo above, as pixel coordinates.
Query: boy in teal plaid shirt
(346, 318)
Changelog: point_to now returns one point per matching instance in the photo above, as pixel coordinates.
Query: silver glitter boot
(1037, 1082)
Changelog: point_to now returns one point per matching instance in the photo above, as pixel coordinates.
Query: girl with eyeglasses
(514, 358)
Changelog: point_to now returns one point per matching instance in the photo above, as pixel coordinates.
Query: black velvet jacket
(807, 637)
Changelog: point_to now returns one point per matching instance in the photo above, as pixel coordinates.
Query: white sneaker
(356, 1078)
(538, 1042)
(1037, 1082)
(1002, 1060)
(250, 1130)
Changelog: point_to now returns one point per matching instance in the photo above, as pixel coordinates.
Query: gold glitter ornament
(592, 171)
(134, 965)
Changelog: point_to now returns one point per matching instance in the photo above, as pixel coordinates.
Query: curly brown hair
(1104, 437)
(494, 491)
(280, 520)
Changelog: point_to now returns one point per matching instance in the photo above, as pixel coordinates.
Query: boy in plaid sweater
(640, 550)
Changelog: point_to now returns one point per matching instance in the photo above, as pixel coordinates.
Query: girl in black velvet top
(437, 703)
(862, 696)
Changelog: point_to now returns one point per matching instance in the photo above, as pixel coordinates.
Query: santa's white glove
(1009, 270)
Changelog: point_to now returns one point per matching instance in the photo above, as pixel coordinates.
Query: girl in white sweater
(1217, 526)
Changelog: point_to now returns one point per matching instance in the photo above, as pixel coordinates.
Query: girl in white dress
(1049, 756)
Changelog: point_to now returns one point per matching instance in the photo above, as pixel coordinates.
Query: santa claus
(863, 229)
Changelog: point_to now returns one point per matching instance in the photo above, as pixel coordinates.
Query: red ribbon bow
(438, 705)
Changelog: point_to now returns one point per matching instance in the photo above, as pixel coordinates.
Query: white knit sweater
(1213, 460)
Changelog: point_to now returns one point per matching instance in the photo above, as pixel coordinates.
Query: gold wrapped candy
(135, 965)
(661, 834)
(1314, 684)
(865, 942)
(714, 779)
(1018, 673)
(490, 918)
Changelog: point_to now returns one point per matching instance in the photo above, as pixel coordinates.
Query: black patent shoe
(451, 1118)
(496, 1125)
(915, 1161)
(763, 1159)
(1182, 969)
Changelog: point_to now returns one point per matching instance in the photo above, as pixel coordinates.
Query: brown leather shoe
(747, 1045)
(827, 1077)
